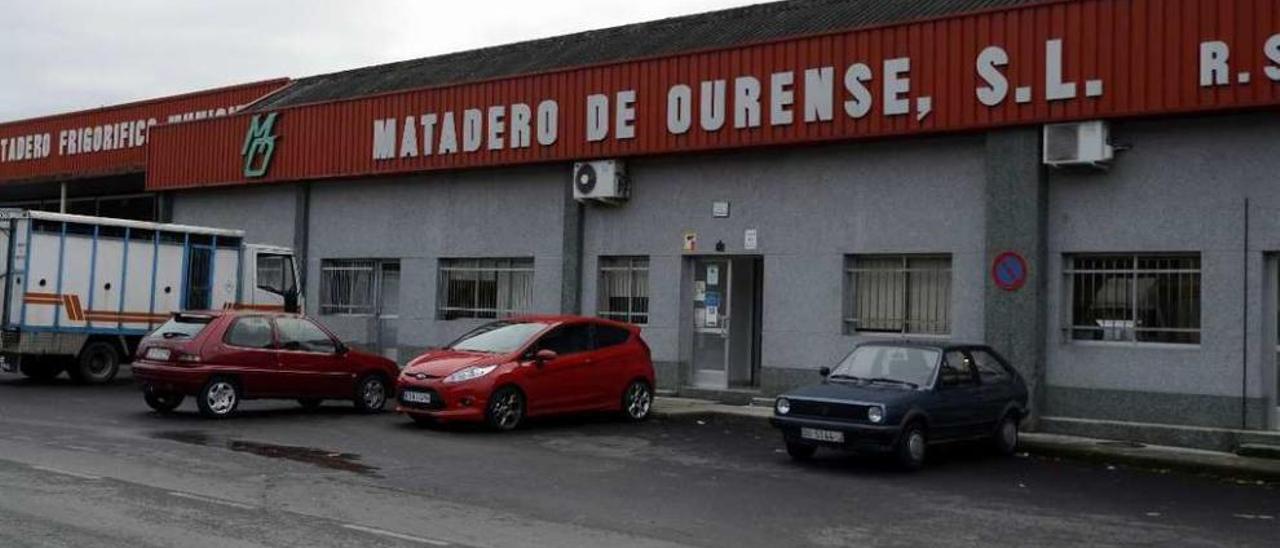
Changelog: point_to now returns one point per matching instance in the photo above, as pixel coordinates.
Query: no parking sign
(1009, 271)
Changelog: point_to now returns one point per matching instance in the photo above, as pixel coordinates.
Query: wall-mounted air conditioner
(602, 181)
(1077, 144)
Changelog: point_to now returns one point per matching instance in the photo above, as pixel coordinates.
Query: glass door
(711, 323)
(389, 310)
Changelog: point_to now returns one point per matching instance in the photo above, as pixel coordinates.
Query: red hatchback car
(507, 370)
(222, 358)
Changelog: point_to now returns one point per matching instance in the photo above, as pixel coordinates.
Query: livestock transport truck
(80, 292)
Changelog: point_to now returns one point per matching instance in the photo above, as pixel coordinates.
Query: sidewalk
(1053, 445)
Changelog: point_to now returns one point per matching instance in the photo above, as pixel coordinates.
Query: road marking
(211, 500)
(66, 473)
(390, 534)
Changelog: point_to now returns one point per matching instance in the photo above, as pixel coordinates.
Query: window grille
(624, 289)
(1135, 298)
(908, 294)
(347, 287)
(485, 288)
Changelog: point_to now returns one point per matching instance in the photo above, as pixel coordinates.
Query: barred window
(485, 288)
(1135, 298)
(347, 286)
(624, 289)
(908, 294)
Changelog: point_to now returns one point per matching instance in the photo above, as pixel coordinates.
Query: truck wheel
(98, 363)
(42, 370)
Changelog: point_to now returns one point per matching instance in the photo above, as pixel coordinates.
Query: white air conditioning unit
(1077, 144)
(603, 181)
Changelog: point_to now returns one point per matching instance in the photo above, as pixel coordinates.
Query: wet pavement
(278, 475)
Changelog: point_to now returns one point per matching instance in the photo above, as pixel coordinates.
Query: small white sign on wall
(720, 210)
(750, 239)
(713, 275)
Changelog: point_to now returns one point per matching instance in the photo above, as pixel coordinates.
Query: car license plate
(158, 354)
(416, 397)
(822, 435)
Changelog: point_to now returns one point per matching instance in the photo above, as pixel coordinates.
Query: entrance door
(711, 309)
(389, 310)
(726, 322)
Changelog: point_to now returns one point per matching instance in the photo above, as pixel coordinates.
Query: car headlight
(470, 373)
(875, 414)
(783, 406)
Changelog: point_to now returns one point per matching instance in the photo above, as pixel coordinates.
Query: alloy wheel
(221, 397)
(916, 445)
(639, 401)
(375, 394)
(507, 410)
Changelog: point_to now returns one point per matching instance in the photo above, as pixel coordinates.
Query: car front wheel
(219, 398)
(505, 410)
(912, 446)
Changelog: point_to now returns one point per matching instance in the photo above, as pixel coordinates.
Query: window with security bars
(485, 288)
(908, 294)
(348, 286)
(624, 289)
(1135, 298)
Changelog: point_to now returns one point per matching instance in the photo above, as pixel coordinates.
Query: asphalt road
(92, 466)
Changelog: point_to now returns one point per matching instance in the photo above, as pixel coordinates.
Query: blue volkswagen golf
(899, 398)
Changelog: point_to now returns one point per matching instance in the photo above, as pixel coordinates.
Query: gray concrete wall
(266, 213)
(1182, 188)
(421, 219)
(811, 206)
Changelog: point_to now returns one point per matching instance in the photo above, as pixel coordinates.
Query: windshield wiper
(894, 381)
(842, 376)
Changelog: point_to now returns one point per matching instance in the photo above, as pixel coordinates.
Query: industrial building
(1087, 185)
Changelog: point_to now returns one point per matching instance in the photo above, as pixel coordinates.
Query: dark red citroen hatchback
(504, 371)
(223, 358)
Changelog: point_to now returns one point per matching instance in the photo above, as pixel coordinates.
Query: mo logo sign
(259, 144)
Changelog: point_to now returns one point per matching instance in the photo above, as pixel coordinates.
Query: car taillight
(183, 357)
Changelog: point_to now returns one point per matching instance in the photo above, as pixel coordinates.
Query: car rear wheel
(219, 398)
(371, 394)
(40, 369)
(162, 402)
(310, 403)
(98, 363)
(1005, 440)
(801, 451)
(912, 447)
(505, 409)
(637, 401)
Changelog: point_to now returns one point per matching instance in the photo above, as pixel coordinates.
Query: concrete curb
(1053, 445)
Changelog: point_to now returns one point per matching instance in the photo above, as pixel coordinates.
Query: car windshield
(904, 365)
(182, 326)
(498, 337)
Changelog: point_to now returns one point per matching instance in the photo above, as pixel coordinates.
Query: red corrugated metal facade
(108, 140)
(1120, 58)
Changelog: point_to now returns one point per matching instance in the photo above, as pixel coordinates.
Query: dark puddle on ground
(346, 462)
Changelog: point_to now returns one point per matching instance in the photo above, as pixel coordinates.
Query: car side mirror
(543, 356)
(825, 372)
(341, 349)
